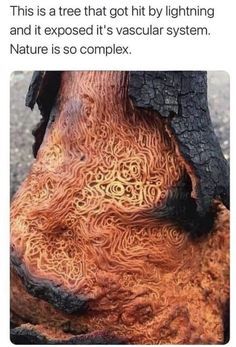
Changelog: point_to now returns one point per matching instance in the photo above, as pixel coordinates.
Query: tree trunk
(119, 233)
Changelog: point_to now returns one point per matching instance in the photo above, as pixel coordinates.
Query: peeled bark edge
(180, 97)
(42, 90)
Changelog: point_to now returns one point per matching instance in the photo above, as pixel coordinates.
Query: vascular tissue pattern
(79, 220)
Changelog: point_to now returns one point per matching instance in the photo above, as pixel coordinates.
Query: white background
(214, 52)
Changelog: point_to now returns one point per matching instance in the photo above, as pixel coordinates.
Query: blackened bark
(181, 209)
(24, 335)
(226, 320)
(181, 98)
(43, 91)
(47, 290)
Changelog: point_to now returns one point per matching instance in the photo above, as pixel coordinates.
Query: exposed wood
(115, 228)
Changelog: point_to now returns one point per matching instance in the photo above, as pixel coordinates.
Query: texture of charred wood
(181, 209)
(25, 335)
(181, 98)
(226, 320)
(43, 91)
(47, 290)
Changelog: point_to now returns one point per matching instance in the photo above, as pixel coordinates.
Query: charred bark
(30, 336)
(43, 90)
(181, 98)
(49, 291)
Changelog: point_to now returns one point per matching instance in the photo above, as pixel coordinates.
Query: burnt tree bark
(181, 98)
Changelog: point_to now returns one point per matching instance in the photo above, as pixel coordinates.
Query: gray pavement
(23, 120)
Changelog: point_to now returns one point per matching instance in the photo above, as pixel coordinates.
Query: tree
(120, 231)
